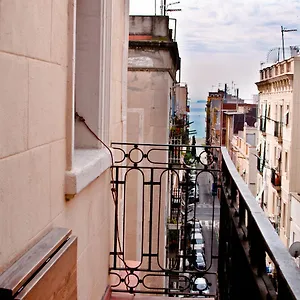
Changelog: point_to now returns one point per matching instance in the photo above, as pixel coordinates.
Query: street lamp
(283, 30)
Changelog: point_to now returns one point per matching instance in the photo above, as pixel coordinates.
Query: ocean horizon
(197, 116)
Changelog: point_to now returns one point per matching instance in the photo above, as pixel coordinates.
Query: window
(274, 204)
(287, 115)
(269, 111)
(92, 69)
(280, 113)
(90, 79)
(286, 163)
(283, 215)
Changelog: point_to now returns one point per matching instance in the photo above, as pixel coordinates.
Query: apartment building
(243, 154)
(278, 148)
(153, 62)
(58, 58)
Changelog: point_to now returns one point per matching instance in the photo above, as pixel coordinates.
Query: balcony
(276, 179)
(278, 131)
(260, 165)
(144, 180)
(262, 126)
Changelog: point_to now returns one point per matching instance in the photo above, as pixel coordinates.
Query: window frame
(86, 158)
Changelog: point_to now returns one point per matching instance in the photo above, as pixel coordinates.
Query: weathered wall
(155, 26)
(34, 59)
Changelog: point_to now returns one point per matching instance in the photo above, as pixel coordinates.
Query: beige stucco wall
(283, 90)
(34, 60)
(149, 86)
(245, 159)
(181, 95)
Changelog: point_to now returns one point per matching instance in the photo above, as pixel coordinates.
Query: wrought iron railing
(260, 164)
(263, 123)
(278, 130)
(153, 251)
(247, 240)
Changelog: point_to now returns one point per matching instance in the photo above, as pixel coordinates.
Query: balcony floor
(127, 296)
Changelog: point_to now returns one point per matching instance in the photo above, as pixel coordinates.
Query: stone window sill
(88, 165)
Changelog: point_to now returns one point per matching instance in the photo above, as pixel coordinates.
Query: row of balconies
(278, 131)
(277, 128)
(275, 175)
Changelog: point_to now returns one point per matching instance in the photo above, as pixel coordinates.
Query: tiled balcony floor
(127, 296)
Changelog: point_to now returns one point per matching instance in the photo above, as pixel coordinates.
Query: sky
(225, 41)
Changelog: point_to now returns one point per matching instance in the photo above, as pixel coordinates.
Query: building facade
(243, 154)
(278, 148)
(58, 58)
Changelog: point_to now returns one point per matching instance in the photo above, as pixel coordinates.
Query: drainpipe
(288, 225)
(124, 75)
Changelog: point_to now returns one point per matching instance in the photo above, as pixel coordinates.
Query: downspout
(125, 74)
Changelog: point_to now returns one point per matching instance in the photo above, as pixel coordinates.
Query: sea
(197, 116)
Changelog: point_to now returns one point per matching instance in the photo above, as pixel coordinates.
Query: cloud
(227, 40)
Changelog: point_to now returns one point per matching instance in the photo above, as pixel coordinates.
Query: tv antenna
(294, 50)
(164, 7)
(283, 30)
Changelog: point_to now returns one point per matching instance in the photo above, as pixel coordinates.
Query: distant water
(197, 115)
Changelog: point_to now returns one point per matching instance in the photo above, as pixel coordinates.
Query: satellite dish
(295, 249)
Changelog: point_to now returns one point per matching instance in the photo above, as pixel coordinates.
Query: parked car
(200, 286)
(197, 261)
(196, 230)
(200, 262)
(195, 225)
(197, 242)
(193, 194)
(192, 177)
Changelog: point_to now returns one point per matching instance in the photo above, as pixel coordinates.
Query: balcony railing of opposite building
(262, 125)
(278, 130)
(260, 164)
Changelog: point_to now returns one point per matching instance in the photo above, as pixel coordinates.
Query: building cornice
(278, 78)
(172, 47)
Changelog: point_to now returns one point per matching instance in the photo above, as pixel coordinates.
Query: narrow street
(210, 226)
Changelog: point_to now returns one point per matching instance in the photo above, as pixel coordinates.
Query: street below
(207, 211)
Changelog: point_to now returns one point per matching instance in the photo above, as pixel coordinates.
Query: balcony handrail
(165, 145)
(285, 264)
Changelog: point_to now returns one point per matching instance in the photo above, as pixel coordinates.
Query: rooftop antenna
(163, 7)
(172, 9)
(283, 30)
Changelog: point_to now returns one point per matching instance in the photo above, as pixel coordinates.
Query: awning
(258, 146)
(278, 153)
(258, 196)
(286, 115)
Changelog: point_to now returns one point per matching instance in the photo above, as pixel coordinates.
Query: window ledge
(88, 165)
